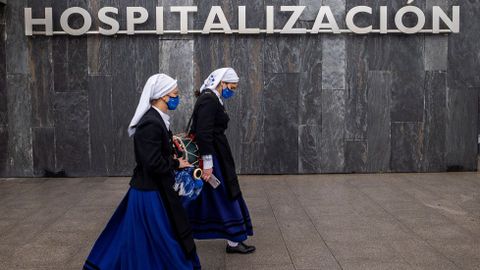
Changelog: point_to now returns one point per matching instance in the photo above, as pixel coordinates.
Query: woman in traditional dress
(221, 212)
(150, 228)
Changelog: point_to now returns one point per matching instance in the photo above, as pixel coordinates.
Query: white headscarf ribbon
(157, 86)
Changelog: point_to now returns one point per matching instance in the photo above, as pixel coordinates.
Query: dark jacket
(155, 171)
(209, 122)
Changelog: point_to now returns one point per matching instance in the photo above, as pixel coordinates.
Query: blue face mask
(227, 93)
(173, 103)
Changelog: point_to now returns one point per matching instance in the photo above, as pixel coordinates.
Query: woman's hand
(207, 173)
(183, 163)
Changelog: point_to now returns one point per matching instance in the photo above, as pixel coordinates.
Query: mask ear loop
(164, 99)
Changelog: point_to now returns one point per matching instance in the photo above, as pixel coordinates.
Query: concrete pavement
(385, 221)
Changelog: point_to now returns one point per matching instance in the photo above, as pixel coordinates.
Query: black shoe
(241, 248)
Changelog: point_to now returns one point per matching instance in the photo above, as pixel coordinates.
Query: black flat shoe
(241, 248)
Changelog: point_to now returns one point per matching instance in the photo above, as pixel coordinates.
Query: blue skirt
(214, 216)
(138, 236)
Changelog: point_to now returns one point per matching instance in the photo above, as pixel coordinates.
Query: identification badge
(213, 181)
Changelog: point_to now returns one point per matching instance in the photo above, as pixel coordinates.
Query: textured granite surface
(306, 103)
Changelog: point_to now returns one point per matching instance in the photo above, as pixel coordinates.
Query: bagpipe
(188, 182)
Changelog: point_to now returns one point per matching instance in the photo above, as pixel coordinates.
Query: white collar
(165, 117)
(218, 95)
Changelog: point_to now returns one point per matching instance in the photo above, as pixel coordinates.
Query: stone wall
(307, 104)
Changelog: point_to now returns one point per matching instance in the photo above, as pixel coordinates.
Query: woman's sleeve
(207, 162)
(205, 126)
(149, 149)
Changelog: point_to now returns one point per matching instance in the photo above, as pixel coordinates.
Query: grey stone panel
(77, 64)
(435, 121)
(253, 158)
(2, 14)
(4, 154)
(309, 105)
(16, 42)
(249, 63)
(72, 138)
(281, 128)
(310, 97)
(461, 135)
(407, 54)
(99, 55)
(407, 147)
(41, 81)
(282, 54)
(101, 124)
(356, 156)
(332, 141)
(436, 52)
(20, 158)
(43, 144)
(3, 79)
(357, 87)
(463, 48)
(378, 52)
(60, 64)
(309, 148)
(333, 62)
(378, 133)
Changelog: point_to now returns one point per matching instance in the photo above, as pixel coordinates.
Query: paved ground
(406, 221)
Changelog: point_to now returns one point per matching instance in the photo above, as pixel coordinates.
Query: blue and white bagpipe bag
(187, 185)
(188, 182)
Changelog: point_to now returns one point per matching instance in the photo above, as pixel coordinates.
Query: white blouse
(165, 117)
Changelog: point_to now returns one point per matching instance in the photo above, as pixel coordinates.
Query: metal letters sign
(217, 22)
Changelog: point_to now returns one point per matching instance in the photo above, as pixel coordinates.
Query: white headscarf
(157, 86)
(220, 75)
